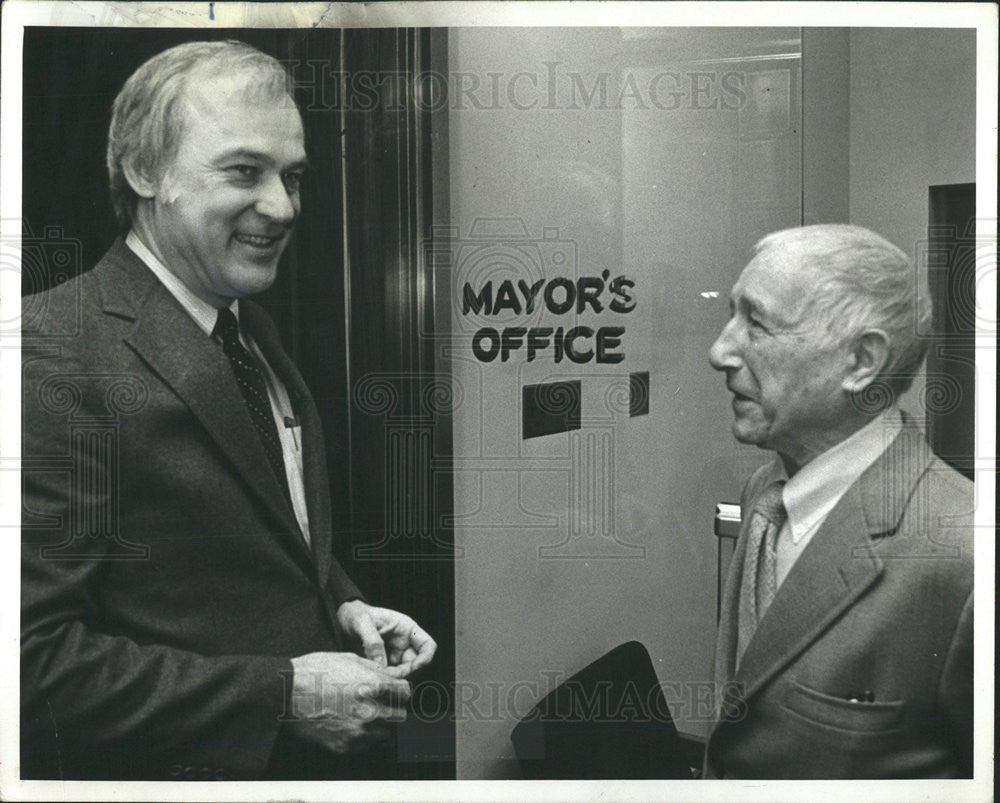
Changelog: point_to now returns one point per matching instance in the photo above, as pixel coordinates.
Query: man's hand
(390, 639)
(343, 701)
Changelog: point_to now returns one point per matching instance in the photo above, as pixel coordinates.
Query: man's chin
(248, 279)
(748, 434)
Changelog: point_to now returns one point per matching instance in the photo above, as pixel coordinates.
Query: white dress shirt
(816, 488)
(205, 315)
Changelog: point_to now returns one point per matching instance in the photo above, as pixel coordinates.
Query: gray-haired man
(845, 644)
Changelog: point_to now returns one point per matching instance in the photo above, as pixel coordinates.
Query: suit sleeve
(94, 691)
(90, 695)
(341, 587)
(955, 690)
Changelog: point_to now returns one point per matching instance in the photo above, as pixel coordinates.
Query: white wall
(826, 86)
(912, 125)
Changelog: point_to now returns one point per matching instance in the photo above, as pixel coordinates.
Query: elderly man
(845, 645)
(183, 615)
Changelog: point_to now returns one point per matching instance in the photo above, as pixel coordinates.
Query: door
(951, 358)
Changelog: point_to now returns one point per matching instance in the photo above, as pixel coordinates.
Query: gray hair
(862, 282)
(148, 117)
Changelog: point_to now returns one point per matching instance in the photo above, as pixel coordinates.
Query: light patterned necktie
(759, 570)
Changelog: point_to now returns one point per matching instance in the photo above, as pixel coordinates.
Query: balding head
(861, 281)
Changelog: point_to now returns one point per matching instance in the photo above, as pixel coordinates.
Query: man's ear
(868, 357)
(139, 179)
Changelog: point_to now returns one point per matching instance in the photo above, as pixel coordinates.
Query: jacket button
(175, 770)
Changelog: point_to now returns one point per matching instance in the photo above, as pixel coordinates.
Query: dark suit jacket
(879, 601)
(165, 581)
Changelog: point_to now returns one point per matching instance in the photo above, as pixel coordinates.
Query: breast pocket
(834, 712)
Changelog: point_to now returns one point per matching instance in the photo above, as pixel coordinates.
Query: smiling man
(183, 614)
(845, 642)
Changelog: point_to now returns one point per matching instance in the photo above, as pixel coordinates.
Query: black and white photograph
(593, 398)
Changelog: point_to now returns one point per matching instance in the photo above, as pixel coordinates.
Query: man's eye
(293, 181)
(245, 171)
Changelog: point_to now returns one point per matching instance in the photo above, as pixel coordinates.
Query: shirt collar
(203, 313)
(816, 488)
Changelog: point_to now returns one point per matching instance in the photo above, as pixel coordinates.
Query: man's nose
(723, 354)
(274, 201)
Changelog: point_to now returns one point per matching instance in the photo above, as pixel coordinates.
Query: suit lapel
(195, 369)
(317, 486)
(833, 570)
(838, 566)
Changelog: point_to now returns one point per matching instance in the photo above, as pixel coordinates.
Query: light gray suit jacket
(878, 604)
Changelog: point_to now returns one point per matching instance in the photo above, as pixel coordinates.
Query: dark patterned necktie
(759, 564)
(250, 379)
